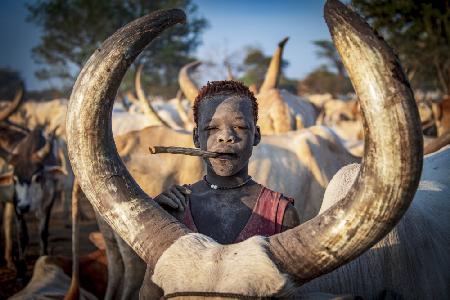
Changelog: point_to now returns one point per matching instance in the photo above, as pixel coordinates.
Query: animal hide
(196, 263)
(48, 282)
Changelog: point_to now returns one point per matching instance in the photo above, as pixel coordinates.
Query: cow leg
(134, 270)
(115, 262)
(8, 224)
(44, 220)
(22, 233)
(65, 202)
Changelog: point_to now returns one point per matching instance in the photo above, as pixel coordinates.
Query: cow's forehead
(31, 143)
(25, 171)
(24, 165)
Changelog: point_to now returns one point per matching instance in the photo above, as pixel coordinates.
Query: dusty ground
(59, 243)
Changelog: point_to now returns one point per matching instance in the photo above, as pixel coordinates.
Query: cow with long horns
(34, 180)
(280, 111)
(192, 264)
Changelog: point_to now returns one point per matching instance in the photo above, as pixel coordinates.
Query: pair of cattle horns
(388, 179)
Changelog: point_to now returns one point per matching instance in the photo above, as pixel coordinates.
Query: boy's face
(226, 125)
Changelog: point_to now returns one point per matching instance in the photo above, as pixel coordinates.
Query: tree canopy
(325, 49)
(254, 68)
(322, 79)
(419, 31)
(72, 30)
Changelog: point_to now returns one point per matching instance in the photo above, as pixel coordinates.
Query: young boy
(227, 204)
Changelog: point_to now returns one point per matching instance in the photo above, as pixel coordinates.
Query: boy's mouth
(227, 156)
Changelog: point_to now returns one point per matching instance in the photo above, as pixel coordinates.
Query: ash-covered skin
(226, 124)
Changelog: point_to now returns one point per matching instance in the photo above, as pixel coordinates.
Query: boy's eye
(241, 127)
(210, 128)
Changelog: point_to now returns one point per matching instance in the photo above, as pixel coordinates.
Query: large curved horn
(436, 144)
(187, 85)
(390, 168)
(44, 151)
(188, 124)
(14, 105)
(149, 111)
(102, 175)
(273, 73)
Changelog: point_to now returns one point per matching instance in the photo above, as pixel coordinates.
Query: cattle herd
(372, 183)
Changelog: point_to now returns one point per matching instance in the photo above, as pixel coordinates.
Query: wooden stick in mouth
(184, 151)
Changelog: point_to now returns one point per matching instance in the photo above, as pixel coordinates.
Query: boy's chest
(222, 217)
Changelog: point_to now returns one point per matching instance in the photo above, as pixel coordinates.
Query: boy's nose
(226, 138)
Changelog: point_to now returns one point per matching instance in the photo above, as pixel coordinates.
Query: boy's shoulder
(267, 192)
(197, 186)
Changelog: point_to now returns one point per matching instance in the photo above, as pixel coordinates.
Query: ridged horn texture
(273, 73)
(391, 165)
(149, 111)
(14, 105)
(187, 85)
(45, 150)
(103, 177)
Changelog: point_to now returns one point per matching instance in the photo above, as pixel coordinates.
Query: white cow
(412, 261)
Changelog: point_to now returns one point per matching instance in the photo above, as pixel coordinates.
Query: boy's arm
(290, 218)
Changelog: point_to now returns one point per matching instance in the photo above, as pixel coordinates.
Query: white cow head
(34, 174)
(29, 195)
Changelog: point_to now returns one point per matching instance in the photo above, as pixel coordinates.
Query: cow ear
(6, 179)
(97, 239)
(56, 171)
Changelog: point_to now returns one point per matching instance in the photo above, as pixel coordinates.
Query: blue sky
(233, 26)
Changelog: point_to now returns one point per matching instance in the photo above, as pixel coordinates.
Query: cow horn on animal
(149, 111)
(14, 105)
(189, 88)
(260, 266)
(42, 153)
(272, 77)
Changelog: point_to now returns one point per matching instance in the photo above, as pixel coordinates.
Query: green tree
(419, 31)
(72, 30)
(254, 68)
(322, 80)
(326, 49)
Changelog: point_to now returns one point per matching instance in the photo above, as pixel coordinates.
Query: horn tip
(339, 16)
(177, 14)
(335, 11)
(333, 5)
(283, 42)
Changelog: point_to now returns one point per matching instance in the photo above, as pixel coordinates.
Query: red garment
(266, 218)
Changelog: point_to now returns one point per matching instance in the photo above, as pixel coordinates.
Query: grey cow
(31, 183)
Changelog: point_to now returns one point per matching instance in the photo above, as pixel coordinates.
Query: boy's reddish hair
(224, 87)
